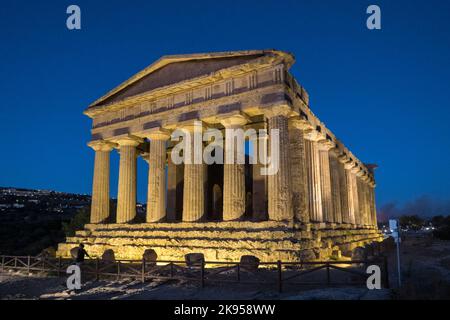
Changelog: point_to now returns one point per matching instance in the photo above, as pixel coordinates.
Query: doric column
(361, 197)
(336, 193)
(156, 196)
(355, 195)
(233, 170)
(367, 212)
(279, 182)
(343, 188)
(325, 180)
(300, 198)
(126, 197)
(313, 175)
(368, 201)
(100, 185)
(259, 183)
(194, 177)
(372, 204)
(352, 192)
(175, 175)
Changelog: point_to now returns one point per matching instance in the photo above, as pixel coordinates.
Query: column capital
(344, 158)
(192, 125)
(299, 123)
(158, 134)
(102, 145)
(235, 120)
(365, 177)
(129, 141)
(357, 170)
(279, 110)
(350, 165)
(314, 135)
(326, 145)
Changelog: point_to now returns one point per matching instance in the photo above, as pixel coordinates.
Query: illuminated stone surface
(320, 203)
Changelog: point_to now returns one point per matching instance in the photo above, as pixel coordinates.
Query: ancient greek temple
(320, 203)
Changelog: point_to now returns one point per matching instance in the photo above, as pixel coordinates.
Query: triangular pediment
(169, 70)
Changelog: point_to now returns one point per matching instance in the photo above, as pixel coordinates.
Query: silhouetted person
(80, 254)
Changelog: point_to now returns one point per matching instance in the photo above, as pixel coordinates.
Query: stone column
(367, 213)
(352, 193)
(361, 198)
(336, 185)
(259, 201)
(313, 176)
(194, 179)
(343, 188)
(372, 204)
(156, 196)
(233, 171)
(100, 185)
(175, 175)
(325, 180)
(126, 197)
(355, 196)
(279, 183)
(300, 197)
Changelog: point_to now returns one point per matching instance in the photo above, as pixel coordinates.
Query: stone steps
(247, 243)
(194, 233)
(177, 253)
(226, 241)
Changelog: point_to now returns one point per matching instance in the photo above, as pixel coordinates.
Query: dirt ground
(425, 265)
(425, 272)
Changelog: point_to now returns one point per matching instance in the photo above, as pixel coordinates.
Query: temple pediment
(173, 69)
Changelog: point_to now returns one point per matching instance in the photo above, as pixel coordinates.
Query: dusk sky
(385, 93)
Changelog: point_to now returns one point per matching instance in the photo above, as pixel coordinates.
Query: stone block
(108, 256)
(249, 262)
(74, 252)
(150, 256)
(359, 253)
(194, 259)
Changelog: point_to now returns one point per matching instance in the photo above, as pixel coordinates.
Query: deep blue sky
(385, 93)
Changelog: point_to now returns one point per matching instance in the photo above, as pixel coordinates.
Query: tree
(77, 222)
(413, 222)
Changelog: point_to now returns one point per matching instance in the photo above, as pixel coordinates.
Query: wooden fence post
(328, 274)
(28, 264)
(118, 270)
(238, 271)
(3, 263)
(60, 266)
(280, 276)
(97, 276)
(143, 270)
(202, 274)
(386, 272)
(15, 262)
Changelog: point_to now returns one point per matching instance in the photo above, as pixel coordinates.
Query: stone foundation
(220, 241)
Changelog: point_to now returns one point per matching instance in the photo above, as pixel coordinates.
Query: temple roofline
(288, 58)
